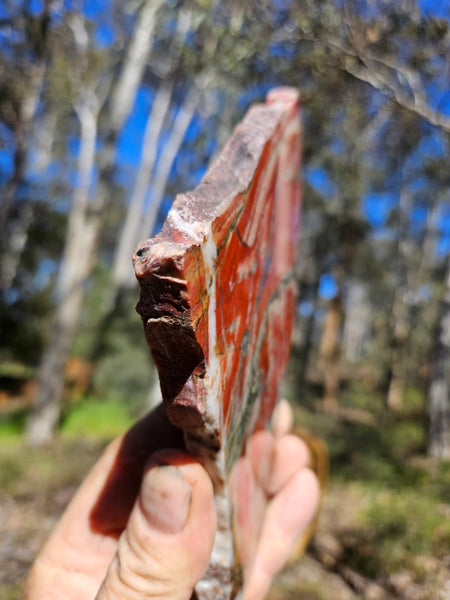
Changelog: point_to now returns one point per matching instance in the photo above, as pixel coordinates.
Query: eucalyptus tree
(26, 46)
(95, 84)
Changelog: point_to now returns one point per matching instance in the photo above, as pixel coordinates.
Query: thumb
(167, 543)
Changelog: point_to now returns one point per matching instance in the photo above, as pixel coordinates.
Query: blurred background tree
(108, 109)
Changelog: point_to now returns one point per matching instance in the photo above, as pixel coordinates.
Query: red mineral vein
(218, 295)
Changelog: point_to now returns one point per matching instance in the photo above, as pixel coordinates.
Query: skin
(142, 524)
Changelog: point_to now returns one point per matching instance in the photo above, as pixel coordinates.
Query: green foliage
(400, 501)
(400, 525)
(407, 437)
(439, 484)
(96, 419)
(11, 592)
(24, 318)
(126, 374)
(12, 426)
(15, 370)
(361, 395)
(10, 472)
(27, 472)
(115, 344)
(376, 453)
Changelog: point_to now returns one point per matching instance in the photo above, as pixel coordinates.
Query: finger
(85, 539)
(282, 418)
(116, 498)
(166, 545)
(249, 506)
(287, 516)
(275, 461)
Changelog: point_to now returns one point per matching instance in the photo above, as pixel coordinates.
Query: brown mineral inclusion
(218, 300)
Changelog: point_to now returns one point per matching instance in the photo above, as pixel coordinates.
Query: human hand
(275, 498)
(142, 524)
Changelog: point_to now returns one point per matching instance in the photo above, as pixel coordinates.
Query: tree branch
(133, 67)
(370, 72)
(378, 81)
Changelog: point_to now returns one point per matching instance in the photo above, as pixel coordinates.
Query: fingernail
(165, 499)
(282, 418)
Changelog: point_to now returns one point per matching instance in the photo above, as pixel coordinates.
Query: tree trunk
(50, 381)
(399, 333)
(134, 64)
(17, 239)
(123, 275)
(357, 321)
(77, 261)
(167, 158)
(329, 351)
(439, 391)
(18, 231)
(27, 113)
(85, 222)
(12, 248)
(130, 235)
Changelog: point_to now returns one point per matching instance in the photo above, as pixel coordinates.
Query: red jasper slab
(218, 299)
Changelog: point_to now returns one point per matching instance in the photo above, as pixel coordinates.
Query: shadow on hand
(154, 432)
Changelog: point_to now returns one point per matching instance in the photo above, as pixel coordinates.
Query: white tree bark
(357, 321)
(122, 272)
(123, 276)
(87, 212)
(72, 266)
(77, 262)
(134, 64)
(167, 158)
(385, 74)
(18, 236)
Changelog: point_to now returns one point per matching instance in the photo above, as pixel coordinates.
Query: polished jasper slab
(218, 300)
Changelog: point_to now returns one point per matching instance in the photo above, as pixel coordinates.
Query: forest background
(107, 110)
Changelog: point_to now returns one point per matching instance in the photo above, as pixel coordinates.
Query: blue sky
(327, 286)
(437, 8)
(376, 207)
(319, 179)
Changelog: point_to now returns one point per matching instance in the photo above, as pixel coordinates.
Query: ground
(383, 533)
